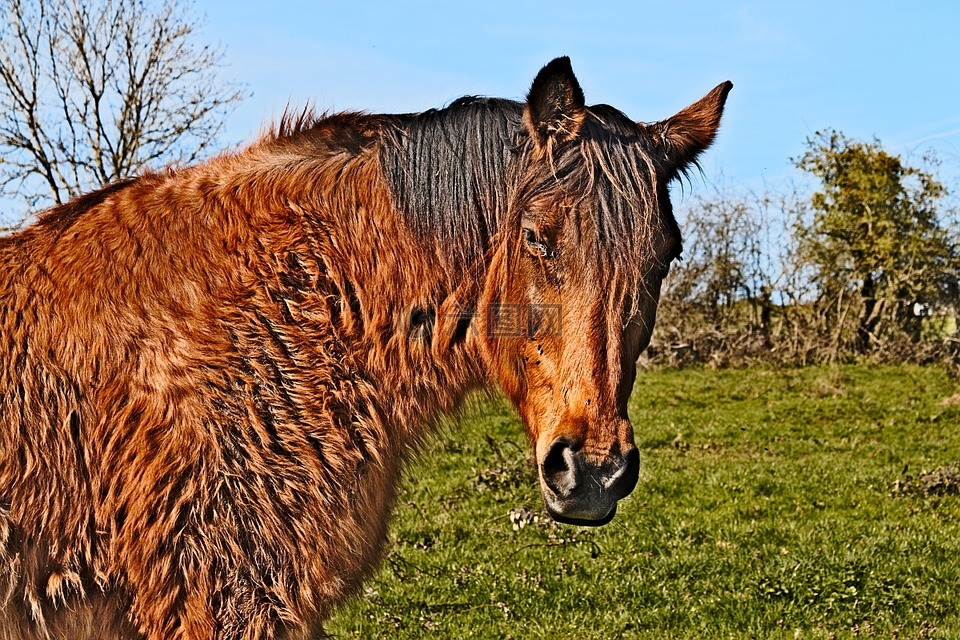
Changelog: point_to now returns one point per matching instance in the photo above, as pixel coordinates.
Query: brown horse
(210, 377)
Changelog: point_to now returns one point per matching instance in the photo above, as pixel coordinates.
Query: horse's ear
(684, 136)
(555, 105)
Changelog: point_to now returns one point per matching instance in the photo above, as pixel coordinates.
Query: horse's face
(578, 281)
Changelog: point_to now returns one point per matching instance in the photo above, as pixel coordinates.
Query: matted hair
(458, 175)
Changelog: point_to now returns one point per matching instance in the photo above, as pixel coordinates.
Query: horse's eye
(536, 245)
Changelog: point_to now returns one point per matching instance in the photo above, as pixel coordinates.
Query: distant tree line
(868, 266)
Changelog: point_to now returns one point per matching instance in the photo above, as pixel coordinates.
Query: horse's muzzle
(581, 490)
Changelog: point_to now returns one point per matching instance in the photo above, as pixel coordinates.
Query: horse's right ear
(555, 105)
(684, 136)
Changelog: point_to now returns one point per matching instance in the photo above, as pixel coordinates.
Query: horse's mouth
(581, 522)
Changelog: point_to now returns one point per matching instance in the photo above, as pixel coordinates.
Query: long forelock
(612, 170)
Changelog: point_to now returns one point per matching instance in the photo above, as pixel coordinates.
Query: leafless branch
(94, 92)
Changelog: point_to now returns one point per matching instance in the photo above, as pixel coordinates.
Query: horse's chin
(580, 522)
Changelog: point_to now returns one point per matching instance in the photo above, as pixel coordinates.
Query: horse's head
(573, 289)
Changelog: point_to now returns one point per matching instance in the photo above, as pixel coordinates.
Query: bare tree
(91, 92)
(717, 300)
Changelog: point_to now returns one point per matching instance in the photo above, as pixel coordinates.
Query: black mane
(447, 171)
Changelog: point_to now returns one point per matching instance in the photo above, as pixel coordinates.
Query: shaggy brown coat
(211, 376)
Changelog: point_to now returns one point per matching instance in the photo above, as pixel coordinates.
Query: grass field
(772, 504)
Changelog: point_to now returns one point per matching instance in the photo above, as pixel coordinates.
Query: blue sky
(881, 69)
(884, 69)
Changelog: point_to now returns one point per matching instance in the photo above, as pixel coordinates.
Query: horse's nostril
(633, 460)
(558, 469)
(623, 482)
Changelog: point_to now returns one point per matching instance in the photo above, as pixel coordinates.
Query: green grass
(772, 504)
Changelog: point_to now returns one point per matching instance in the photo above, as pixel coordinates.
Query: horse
(211, 376)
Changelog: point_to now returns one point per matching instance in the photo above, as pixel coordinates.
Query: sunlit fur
(210, 377)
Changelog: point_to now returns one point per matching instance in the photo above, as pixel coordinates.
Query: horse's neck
(402, 307)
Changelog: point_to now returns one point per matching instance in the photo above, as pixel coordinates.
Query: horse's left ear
(685, 136)
(555, 105)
